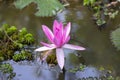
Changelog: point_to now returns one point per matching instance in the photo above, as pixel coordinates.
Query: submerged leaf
(115, 38)
(45, 7)
(20, 4)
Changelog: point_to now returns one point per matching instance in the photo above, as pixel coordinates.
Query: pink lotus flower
(59, 39)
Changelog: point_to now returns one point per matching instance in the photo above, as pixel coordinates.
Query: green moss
(6, 68)
(27, 39)
(11, 30)
(22, 32)
(12, 40)
(23, 55)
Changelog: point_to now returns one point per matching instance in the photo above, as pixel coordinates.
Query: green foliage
(89, 2)
(74, 70)
(78, 68)
(101, 10)
(18, 45)
(110, 78)
(26, 39)
(115, 38)
(1, 34)
(12, 40)
(111, 13)
(6, 68)
(45, 7)
(22, 32)
(11, 30)
(23, 55)
(101, 68)
(100, 22)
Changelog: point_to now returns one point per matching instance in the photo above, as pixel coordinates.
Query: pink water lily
(59, 39)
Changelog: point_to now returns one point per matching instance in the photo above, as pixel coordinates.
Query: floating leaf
(45, 7)
(100, 22)
(115, 38)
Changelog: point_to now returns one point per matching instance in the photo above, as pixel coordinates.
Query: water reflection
(31, 71)
(42, 71)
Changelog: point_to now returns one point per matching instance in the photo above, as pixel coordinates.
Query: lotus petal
(67, 30)
(58, 40)
(56, 27)
(60, 57)
(70, 46)
(48, 33)
(44, 48)
(67, 39)
(47, 45)
(46, 54)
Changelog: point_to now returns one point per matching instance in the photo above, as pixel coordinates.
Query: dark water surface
(99, 49)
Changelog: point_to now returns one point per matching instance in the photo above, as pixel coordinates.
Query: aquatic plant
(12, 40)
(78, 68)
(59, 39)
(23, 55)
(89, 2)
(45, 7)
(7, 68)
(11, 30)
(25, 37)
(115, 38)
(102, 10)
(84, 72)
(100, 22)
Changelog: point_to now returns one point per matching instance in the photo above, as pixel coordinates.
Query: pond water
(99, 49)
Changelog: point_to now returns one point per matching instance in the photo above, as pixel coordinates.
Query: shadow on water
(100, 51)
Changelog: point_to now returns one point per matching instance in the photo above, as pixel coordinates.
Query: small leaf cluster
(78, 68)
(25, 37)
(23, 55)
(102, 11)
(6, 68)
(12, 39)
(11, 30)
(89, 2)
